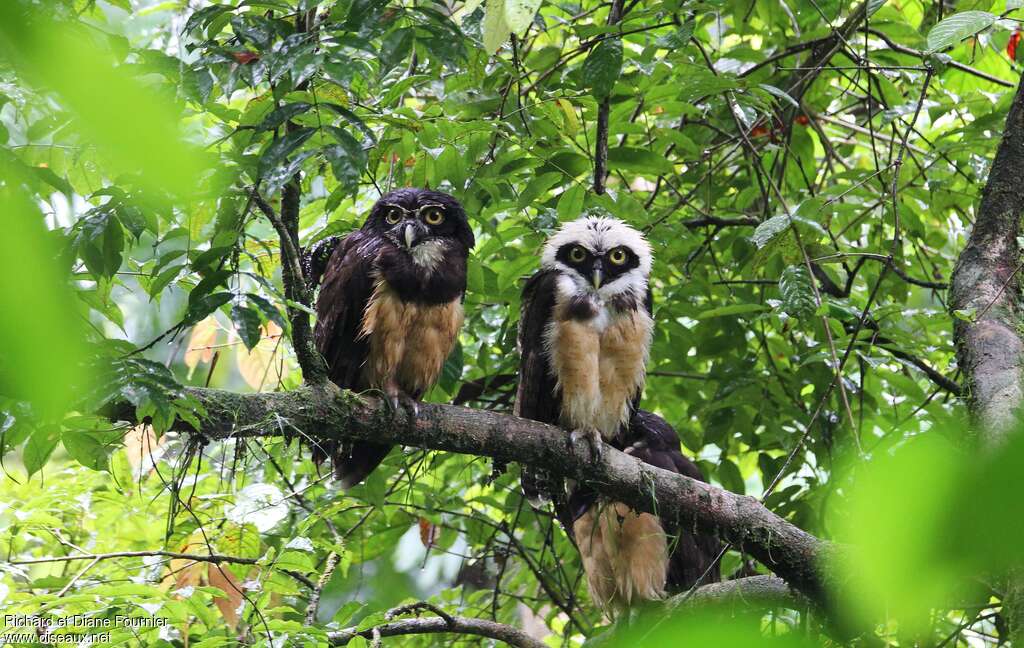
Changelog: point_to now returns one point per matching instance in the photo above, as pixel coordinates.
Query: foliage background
(805, 220)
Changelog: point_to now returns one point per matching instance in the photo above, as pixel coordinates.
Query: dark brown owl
(390, 305)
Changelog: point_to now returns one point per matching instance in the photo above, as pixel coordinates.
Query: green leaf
(162, 280)
(769, 230)
(198, 310)
(280, 176)
(519, 13)
(247, 323)
(395, 48)
(797, 292)
(957, 27)
(781, 94)
(678, 39)
(49, 177)
(281, 148)
(638, 160)
(39, 448)
(570, 203)
(730, 477)
(495, 27)
(101, 242)
(269, 310)
(86, 449)
(347, 159)
(283, 114)
(602, 68)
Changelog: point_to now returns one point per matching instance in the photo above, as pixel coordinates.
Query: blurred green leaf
(134, 126)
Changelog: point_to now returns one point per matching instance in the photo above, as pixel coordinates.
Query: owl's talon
(593, 440)
(411, 405)
(393, 402)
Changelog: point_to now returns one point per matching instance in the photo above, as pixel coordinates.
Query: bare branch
(902, 49)
(210, 558)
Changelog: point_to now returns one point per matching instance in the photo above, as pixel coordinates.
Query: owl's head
(601, 255)
(422, 222)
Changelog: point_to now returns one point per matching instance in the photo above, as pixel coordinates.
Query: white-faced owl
(390, 305)
(584, 336)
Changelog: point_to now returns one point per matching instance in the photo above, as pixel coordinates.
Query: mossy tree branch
(324, 412)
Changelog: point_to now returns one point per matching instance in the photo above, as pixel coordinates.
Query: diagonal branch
(325, 412)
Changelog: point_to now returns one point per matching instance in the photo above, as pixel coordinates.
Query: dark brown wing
(345, 291)
(348, 280)
(537, 395)
(654, 441)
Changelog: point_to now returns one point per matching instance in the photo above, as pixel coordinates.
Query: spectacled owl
(390, 305)
(584, 336)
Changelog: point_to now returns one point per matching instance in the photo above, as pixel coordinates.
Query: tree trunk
(985, 295)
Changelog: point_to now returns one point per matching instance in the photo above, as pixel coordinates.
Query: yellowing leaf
(262, 366)
(141, 447)
(220, 576)
(572, 122)
(200, 344)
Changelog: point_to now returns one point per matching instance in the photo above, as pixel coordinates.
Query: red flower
(1011, 47)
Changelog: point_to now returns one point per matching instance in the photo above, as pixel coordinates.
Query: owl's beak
(410, 235)
(597, 274)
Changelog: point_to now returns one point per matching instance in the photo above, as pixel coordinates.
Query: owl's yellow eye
(433, 216)
(617, 256)
(393, 215)
(577, 254)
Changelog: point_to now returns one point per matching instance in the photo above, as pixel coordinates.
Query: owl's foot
(399, 399)
(411, 405)
(593, 440)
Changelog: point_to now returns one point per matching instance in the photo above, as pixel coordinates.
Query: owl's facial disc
(598, 267)
(409, 227)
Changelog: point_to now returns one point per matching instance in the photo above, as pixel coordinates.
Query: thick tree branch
(318, 412)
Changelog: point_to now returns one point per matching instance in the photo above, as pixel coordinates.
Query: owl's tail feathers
(360, 460)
